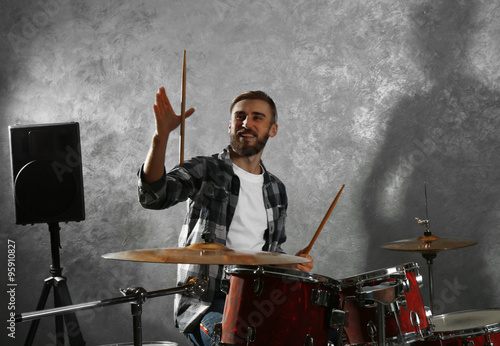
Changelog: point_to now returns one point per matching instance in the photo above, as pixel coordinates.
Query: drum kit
(267, 304)
(271, 305)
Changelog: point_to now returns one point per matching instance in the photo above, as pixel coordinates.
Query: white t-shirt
(250, 218)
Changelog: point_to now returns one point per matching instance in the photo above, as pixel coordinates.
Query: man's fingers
(189, 112)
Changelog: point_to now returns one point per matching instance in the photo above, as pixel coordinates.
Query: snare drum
(471, 327)
(268, 305)
(398, 290)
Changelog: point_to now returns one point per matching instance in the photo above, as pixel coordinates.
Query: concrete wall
(383, 96)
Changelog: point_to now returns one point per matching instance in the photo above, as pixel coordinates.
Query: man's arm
(166, 122)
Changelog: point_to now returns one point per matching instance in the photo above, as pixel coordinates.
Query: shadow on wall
(445, 137)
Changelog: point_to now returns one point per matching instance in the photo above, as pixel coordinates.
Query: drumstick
(308, 248)
(183, 111)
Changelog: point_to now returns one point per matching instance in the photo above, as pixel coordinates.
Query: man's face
(250, 126)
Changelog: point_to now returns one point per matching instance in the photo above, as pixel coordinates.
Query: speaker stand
(61, 298)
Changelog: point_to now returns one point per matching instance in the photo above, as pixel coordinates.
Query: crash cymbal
(205, 253)
(429, 244)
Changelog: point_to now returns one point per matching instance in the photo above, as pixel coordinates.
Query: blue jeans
(204, 335)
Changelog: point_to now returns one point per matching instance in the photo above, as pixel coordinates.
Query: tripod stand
(61, 298)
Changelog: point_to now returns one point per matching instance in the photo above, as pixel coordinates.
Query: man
(230, 196)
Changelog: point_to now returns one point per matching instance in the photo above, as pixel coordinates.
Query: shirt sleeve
(152, 194)
(175, 186)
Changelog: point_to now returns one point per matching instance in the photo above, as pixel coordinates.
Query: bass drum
(268, 305)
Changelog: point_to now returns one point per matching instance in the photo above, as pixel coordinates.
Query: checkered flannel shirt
(211, 189)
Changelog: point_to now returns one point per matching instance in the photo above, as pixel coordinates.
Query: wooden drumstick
(308, 248)
(183, 111)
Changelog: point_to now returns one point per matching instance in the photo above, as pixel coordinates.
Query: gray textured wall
(380, 95)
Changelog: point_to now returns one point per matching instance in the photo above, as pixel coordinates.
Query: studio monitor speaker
(47, 172)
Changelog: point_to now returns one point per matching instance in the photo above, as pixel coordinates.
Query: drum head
(468, 322)
(378, 274)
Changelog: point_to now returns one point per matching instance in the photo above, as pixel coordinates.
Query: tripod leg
(41, 304)
(58, 319)
(72, 325)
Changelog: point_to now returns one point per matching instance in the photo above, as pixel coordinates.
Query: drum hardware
(380, 312)
(258, 283)
(428, 245)
(394, 309)
(344, 308)
(382, 301)
(372, 330)
(224, 285)
(337, 318)
(321, 297)
(415, 321)
(136, 296)
(401, 302)
(251, 334)
(258, 286)
(217, 333)
(308, 341)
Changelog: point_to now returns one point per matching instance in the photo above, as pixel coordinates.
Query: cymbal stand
(136, 296)
(429, 258)
(136, 310)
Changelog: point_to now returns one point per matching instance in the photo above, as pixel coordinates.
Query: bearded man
(231, 196)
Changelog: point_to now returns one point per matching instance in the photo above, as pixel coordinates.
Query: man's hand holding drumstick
(305, 267)
(166, 122)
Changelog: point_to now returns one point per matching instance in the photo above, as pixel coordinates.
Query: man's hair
(257, 95)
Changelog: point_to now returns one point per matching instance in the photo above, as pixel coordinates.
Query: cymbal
(429, 244)
(205, 253)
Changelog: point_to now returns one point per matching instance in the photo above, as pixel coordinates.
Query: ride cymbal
(205, 253)
(428, 244)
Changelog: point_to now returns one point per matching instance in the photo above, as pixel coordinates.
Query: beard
(245, 149)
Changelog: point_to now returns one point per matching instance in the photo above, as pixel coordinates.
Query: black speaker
(47, 172)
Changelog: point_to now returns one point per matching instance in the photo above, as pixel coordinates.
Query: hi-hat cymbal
(429, 244)
(205, 253)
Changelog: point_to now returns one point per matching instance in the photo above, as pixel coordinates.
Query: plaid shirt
(211, 188)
